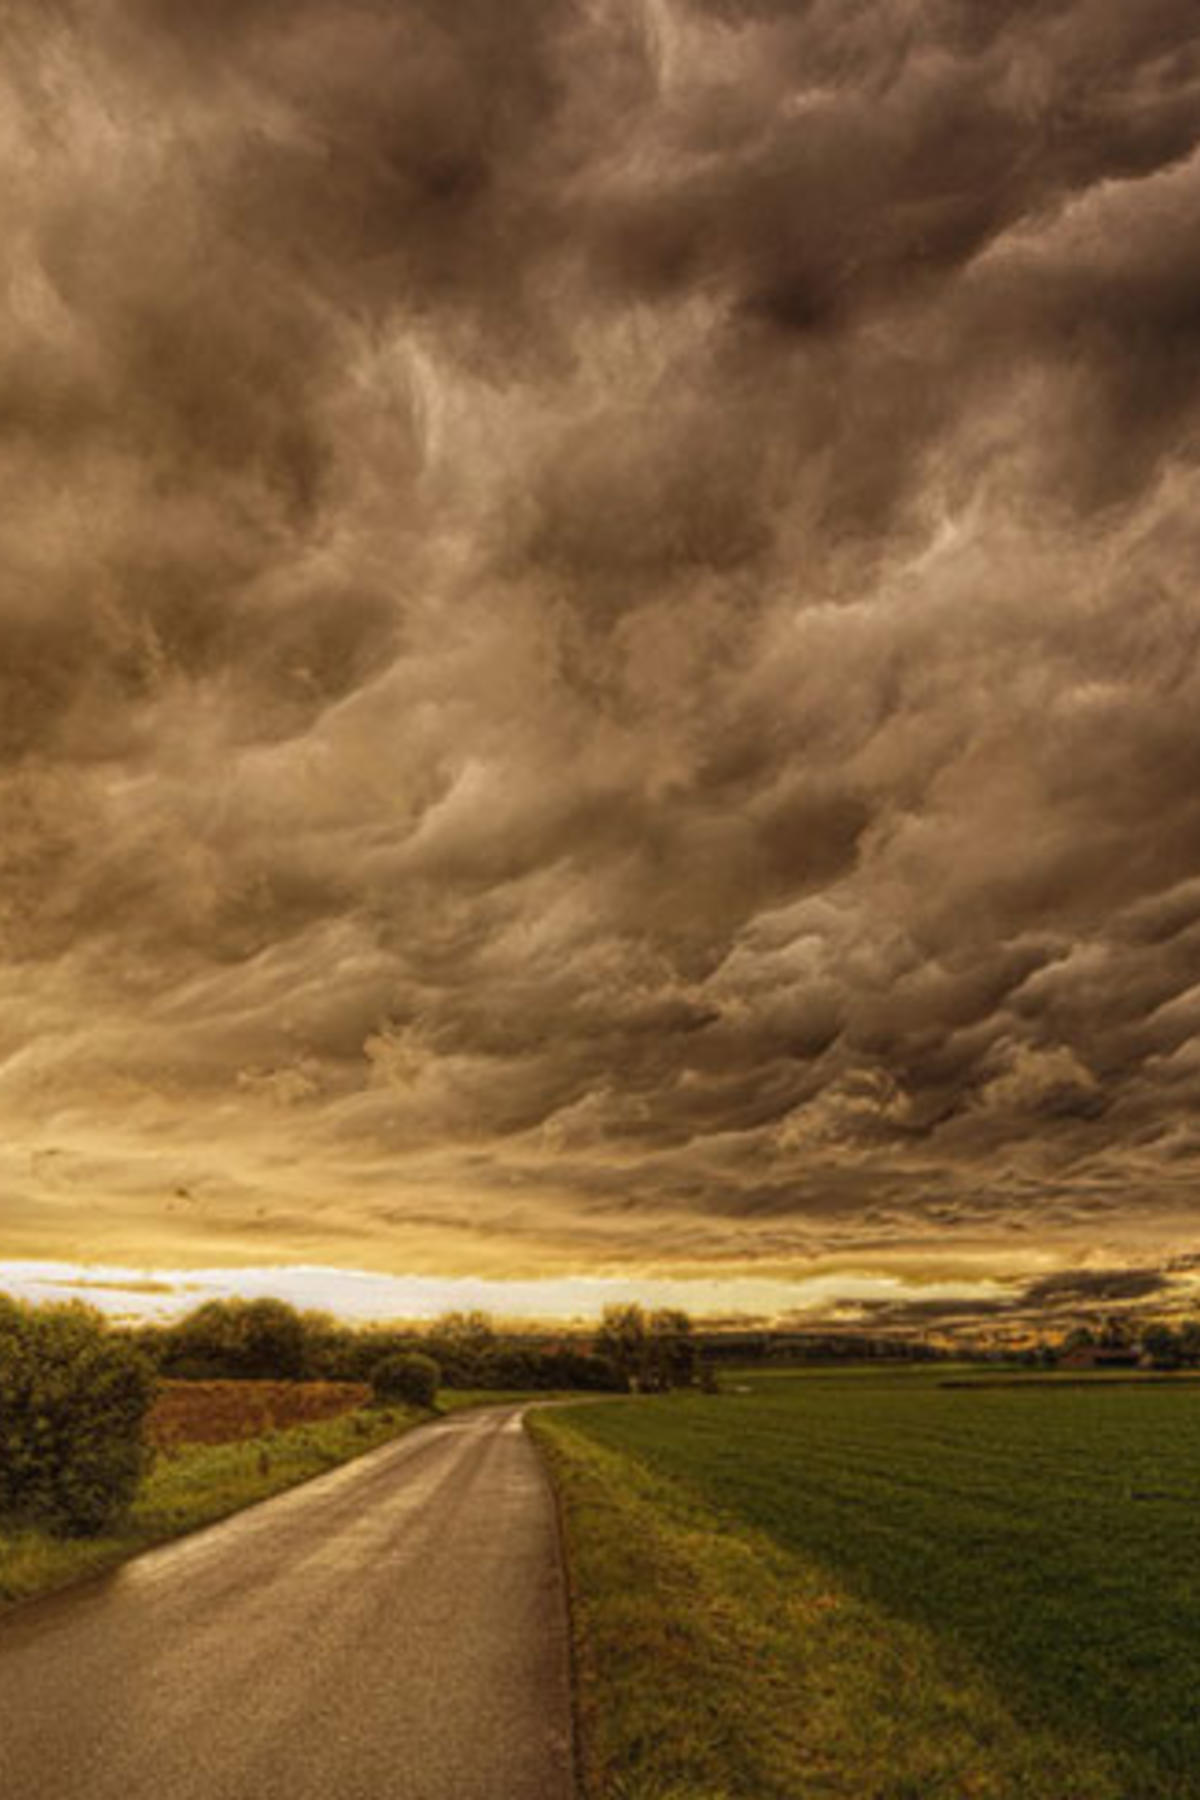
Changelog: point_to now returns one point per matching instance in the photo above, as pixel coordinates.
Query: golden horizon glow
(868, 1303)
(357, 1294)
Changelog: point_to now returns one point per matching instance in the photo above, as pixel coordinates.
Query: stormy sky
(599, 636)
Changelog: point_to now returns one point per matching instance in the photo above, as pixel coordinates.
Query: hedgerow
(73, 1404)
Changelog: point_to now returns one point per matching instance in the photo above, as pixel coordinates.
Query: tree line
(268, 1340)
(1164, 1346)
(75, 1391)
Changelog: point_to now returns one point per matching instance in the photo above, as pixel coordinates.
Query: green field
(1037, 1545)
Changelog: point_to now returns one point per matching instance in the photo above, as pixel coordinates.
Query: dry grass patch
(224, 1412)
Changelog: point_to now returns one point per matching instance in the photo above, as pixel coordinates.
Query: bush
(411, 1378)
(237, 1340)
(73, 1401)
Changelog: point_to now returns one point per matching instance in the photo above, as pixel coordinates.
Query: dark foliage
(269, 1340)
(251, 1340)
(652, 1351)
(407, 1377)
(73, 1403)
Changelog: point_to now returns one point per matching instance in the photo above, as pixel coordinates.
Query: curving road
(395, 1630)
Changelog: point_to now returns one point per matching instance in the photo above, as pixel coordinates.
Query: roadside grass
(1043, 1533)
(712, 1664)
(194, 1485)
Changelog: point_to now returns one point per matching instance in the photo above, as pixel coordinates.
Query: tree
(651, 1352)
(325, 1345)
(263, 1340)
(407, 1377)
(670, 1359)
(463, 1344)
(621, 1339)
(1162, 1346)
(73, 1403)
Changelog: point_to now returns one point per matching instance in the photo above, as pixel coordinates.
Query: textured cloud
(599, 652)
(1050, 1303)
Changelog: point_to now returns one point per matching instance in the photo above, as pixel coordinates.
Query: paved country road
(395, 1630)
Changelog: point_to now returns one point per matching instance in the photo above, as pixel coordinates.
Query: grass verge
(711, 1664)
(193, 1486)
(451, 1400)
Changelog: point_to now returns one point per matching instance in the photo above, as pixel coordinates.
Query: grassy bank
(194, 1485)
(1047, 1532)
(717, 1660)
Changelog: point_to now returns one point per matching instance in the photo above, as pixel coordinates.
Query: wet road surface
(394, 1630)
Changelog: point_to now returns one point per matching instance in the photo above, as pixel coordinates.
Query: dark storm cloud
(1051, 1302)
(598, 653)
(1077, 1286)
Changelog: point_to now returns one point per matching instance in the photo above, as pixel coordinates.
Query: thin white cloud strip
(359, 1295)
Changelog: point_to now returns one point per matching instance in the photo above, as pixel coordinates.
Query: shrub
(73, 1401)
(411, 1378)
(240, 1340)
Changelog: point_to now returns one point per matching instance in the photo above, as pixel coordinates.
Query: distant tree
(325, 1344)
(73, 1403)
(650, 1351)
(273, 1342)
(261, 1340)
(1189, 1342)
(364, 1350)
(527, 1366)
(1115, 1333)
(463, 1344)
(1162, 1346)
(670, 1353)
(621, 1340)
(407, 1377)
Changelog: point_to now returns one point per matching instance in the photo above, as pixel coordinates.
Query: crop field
(1038, 1545)
(224, 1412)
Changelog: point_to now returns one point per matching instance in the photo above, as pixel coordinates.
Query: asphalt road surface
(395, 1630)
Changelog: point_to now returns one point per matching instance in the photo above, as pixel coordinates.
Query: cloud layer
(599, 645)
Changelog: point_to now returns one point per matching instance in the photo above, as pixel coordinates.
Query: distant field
(223, 1412)
(1044, 1540)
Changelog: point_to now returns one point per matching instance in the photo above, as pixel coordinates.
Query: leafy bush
(239, 1340)
(410, 1378)
(73, 1401)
